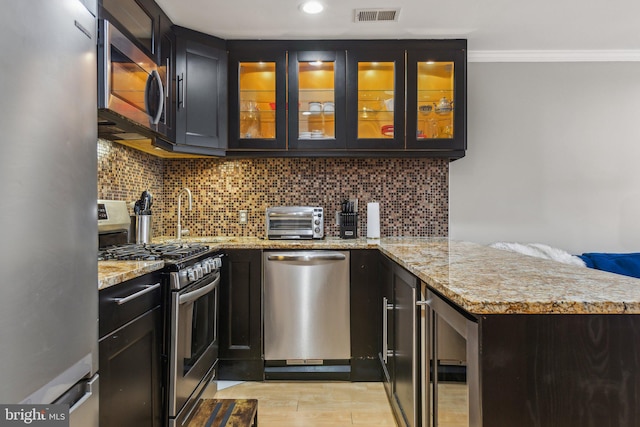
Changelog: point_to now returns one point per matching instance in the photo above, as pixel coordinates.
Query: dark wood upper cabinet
(348, 98)
(257, 96)
(317, 100)
(201, 93)
(301, 98)
(166, 69)
(375, 99)
(436, 112)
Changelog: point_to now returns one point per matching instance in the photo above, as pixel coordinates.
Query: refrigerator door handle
(90, 389)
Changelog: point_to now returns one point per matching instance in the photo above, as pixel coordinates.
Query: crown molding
(553, 56)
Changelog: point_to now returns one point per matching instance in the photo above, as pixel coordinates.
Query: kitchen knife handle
(146, 290)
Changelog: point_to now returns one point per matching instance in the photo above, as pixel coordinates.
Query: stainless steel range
(193, 342)
(192, 272)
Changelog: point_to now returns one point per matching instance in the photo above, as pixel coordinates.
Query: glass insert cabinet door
(258, 100)
(375, 100)
(316, 100)
(435, 100)
(435, 110)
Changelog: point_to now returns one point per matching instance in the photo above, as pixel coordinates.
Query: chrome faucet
(180, 232)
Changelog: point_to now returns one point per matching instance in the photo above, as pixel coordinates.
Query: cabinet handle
(308, 258)
(425, 302)
(180, 90)
(146, 290)
(385, 333)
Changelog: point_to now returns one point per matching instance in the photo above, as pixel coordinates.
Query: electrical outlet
(243, 216)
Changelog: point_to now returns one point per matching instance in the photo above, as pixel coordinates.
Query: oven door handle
(194, 295)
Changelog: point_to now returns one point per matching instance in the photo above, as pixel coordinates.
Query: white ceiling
(488, 25)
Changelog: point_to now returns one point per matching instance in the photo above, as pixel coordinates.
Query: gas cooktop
(171, 252)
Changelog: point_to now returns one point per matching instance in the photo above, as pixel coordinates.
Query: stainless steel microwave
(295, 222)
(130, 86)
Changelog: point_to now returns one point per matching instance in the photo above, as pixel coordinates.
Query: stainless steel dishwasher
(306, 315)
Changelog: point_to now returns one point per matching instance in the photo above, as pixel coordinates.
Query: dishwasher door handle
(308, 257)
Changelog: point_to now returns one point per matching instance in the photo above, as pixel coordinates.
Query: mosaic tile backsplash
(413, 193)
(124, 173)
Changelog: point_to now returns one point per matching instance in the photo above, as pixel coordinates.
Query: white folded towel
(541, 251)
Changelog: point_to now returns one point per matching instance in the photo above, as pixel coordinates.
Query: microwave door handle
(154, 111)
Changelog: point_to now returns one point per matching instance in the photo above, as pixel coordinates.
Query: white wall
(554, 156)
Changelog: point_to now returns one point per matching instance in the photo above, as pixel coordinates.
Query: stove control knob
(182, 278)
(317, 222)
(317, 230)
(217, 262)
(206, 267)
(199, 271)
(191, 274)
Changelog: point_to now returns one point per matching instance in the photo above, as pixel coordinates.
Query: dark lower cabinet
(400, 352)
(241, 317)
(560, 370)
(366, 316)
(130, 354)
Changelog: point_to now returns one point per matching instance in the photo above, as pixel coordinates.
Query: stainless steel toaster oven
(295, 222)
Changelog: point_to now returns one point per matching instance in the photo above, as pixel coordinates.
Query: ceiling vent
(376, 15)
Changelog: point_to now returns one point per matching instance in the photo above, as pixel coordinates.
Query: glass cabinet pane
(257, 86)
(375, 99)
(435, 100)
(316, 95)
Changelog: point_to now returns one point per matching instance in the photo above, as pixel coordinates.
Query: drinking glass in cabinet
(435, 100)
(376, 92)
(316, 94)
(257, 86)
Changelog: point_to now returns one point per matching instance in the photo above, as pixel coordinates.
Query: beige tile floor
(315, 404)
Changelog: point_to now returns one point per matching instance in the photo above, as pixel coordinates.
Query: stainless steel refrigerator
(48, 218)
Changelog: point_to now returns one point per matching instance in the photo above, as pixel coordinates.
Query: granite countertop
(480, 279)
(113, 272)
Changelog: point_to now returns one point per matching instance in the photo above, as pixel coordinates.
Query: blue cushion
(626, 264)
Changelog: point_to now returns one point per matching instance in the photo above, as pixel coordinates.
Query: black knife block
(348, 225)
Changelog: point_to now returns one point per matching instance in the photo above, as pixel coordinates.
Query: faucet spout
(179, 231)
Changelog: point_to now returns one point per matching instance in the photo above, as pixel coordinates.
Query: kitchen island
(479, 279)
(557, 345)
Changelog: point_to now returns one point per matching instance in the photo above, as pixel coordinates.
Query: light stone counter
(113, 272)
(483, 280)
(480, 279)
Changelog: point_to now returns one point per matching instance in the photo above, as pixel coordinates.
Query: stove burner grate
(151, 252)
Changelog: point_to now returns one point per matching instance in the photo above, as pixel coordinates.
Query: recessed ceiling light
(312, 7)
